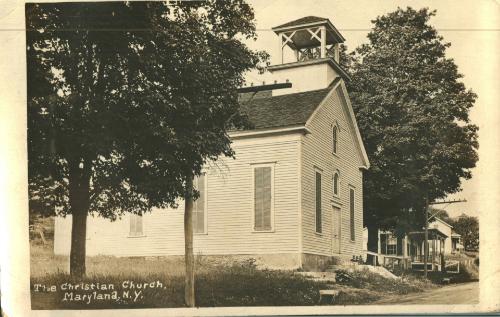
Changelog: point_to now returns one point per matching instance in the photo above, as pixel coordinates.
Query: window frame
(317, 172)
(352, 213)
(391, 244)
(335, 139)
(205, 206)
(136, 234)
(253, 168)
(336, 173)
(392, 249)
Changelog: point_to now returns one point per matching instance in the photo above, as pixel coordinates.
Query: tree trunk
(78, 244)
(79, 198)
(372, 242)
(188, 242)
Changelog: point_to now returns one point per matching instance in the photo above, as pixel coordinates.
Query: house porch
(407, 252)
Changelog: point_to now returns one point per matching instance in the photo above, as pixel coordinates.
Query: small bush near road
(371, 281)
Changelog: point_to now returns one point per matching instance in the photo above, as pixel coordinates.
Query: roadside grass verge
(222, 286)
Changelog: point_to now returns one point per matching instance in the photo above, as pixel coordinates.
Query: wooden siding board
(229, 208)
(317, 152)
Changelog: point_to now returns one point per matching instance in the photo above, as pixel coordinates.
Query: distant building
(409, 248)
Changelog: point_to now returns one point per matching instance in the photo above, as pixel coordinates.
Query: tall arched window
(335, 139)
(336, 183)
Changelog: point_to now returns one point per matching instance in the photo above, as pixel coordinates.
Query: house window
(351, 216)
(336, 183)
(136, 229)
(318, 202)
(392, 243)
(263, 198)
(335, 139)
(199, 206)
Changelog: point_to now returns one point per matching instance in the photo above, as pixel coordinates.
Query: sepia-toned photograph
(250, 153)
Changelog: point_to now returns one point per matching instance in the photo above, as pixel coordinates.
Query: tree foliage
(413, 114)
(468, 228)
(441, 214)
(127, 99)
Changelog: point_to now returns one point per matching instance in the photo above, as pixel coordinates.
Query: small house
(408, 249)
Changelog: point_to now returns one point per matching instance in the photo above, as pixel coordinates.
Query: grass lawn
(217, 284)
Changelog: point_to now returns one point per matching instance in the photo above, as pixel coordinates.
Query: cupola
(314, 64)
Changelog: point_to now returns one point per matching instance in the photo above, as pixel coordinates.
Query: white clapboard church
(292, 197)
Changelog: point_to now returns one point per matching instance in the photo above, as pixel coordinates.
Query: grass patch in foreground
(228, 286)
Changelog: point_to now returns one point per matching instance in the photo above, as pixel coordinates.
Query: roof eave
(269, 131)
(328, 60)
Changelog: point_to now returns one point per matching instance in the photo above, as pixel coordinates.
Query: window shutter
(138, 225)
(351, 198)
(132, 225)
(318, 202)
(135, 225)
(262, 198)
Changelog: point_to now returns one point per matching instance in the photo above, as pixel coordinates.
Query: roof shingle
(284, 110)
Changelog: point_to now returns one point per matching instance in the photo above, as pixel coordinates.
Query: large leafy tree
(468, 228)
(127, 101)
(413, 113)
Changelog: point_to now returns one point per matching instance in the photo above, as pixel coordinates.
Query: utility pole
(426, 228)
(426, 235)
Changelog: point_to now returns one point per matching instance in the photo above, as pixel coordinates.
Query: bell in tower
(314, 64)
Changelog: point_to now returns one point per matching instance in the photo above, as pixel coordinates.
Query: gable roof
(353, 124)
(294, 111)
(284, 110)
(440, 220)
(304, 20)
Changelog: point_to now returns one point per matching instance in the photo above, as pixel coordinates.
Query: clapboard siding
(230, 207)
(317, 153)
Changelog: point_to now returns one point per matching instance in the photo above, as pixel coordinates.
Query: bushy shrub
(244, 285)
(364, 279)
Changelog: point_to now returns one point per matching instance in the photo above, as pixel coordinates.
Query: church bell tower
(310, 55)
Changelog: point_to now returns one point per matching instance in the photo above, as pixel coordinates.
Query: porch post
(281, 46)
(379, 245)
(323, 42)
(433, 252)
(405, 246)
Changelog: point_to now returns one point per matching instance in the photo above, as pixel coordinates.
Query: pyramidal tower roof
(312, 21)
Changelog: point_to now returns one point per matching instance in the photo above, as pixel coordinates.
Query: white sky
(470, 26)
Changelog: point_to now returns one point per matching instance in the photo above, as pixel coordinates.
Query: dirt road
(464, 293)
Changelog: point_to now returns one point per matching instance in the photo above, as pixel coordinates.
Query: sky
(470, 26)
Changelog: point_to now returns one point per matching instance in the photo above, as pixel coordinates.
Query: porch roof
(433, 233)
